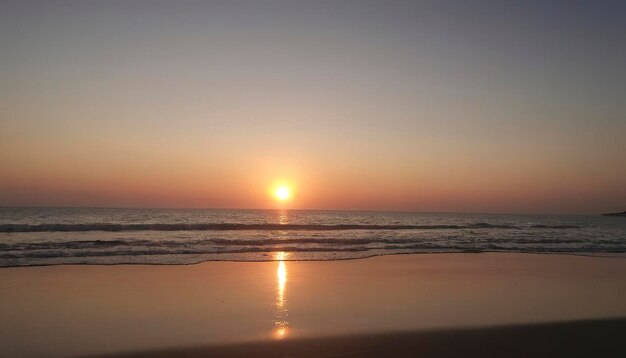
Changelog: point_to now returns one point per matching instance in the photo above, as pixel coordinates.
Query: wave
(388, 249)
(8, 228)
(335, 242)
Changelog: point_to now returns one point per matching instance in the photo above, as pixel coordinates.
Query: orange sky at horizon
(365, 187)
(356, 105)
(341, 170)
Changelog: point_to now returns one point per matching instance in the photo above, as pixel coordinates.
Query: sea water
(48, 236)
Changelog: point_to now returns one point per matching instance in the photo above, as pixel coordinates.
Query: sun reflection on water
(281, 325)
(283, 218)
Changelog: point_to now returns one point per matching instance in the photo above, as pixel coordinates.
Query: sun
(282, 193)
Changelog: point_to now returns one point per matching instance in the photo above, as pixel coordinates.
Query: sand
(589, 338)
(93, 310)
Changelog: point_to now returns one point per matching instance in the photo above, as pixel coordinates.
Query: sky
(459, 106)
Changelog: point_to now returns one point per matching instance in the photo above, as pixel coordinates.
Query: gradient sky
(483, 106)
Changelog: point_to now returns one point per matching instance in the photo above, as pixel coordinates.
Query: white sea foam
(32, 236)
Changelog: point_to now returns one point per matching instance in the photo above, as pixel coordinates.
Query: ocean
(51, 236)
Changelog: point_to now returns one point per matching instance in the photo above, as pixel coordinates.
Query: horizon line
(291, 209)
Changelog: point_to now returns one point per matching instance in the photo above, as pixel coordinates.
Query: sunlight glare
(282, 193)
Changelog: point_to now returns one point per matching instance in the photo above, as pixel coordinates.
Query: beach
(312, 178)
(264, 308)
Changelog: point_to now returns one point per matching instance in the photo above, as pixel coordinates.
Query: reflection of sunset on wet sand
(232, 302)
(281, 325)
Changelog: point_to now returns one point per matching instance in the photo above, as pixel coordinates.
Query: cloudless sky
(485, 106)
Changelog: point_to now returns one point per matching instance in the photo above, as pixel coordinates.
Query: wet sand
(355, 304)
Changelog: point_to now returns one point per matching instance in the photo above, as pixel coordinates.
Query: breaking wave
(52, 236)
(237, 226)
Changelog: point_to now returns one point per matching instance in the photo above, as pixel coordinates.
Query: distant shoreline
(622, 214)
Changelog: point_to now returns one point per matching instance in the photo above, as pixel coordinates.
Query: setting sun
(282, 193)
(248, 172)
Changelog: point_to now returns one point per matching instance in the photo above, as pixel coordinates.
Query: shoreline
(618, 255)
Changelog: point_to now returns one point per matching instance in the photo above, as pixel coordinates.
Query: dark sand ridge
(592, 338)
